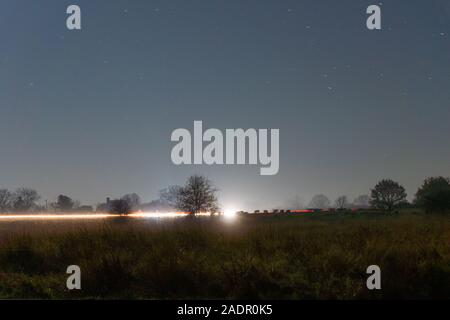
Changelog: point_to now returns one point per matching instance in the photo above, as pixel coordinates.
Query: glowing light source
(229, 213)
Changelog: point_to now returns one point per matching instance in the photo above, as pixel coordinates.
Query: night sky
(89, 113)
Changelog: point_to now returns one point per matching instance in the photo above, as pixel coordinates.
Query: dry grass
(278, 257)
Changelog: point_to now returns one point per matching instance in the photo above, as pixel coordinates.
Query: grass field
(321, 256)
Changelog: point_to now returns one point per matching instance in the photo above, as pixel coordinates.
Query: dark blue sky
(89, 113)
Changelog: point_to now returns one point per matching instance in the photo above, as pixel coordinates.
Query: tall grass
(280, 257)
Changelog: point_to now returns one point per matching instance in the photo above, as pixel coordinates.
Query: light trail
(92, 216)
(157, 215)
(56, 216)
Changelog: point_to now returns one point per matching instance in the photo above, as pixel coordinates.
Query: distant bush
(64, 203)
(120, 206)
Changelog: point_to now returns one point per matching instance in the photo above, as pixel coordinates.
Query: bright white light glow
(229, 213)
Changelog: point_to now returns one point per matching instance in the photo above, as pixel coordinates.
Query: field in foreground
(278, 257)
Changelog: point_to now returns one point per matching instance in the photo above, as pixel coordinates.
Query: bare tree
(25, 199)
(197, 196)
(341, 202)
(387, 195)
(5, 200)
(320, 201)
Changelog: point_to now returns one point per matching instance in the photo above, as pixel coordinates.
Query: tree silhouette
(119, 206)
(64, 203)
(434, 195)
(198, 195)
(341, 202)
(388, 195)
(133, 200)
(25, 199)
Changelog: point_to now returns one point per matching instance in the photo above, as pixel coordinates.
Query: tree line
(21, 199)
(199, 195)
(388, 195)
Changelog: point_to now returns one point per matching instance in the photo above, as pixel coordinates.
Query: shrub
(434, 195)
